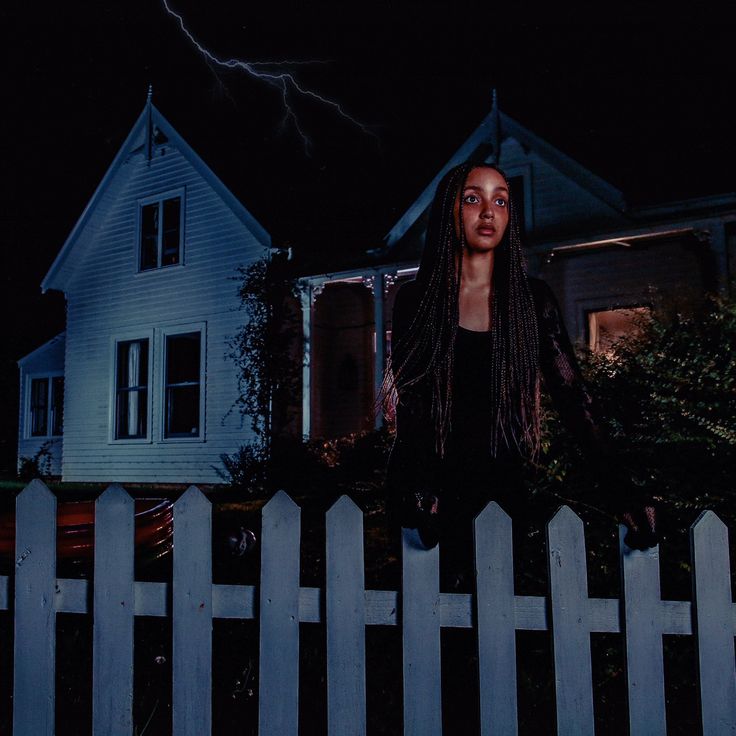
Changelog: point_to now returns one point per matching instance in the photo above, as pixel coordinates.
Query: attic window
(161, 226)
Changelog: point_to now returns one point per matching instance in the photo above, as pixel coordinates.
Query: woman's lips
(486, 231)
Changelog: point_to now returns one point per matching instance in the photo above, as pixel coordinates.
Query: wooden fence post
(420, 621)
(278, 691)
(495, 619)
(114, 614)
(570, 624)
(642, 629)
(192, 615)
(35, 616)
(714, 622)
(346, 709)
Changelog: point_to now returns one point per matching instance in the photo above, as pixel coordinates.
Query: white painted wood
(714, 624)
(495, 621)
(114, 614)
(346, 691)
(420, 623)
(192, 615)
(106, 296)
(570, 626)
(35, 619)
(643, 636)
(278, 692)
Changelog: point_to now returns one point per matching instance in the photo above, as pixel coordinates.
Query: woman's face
(485, 205)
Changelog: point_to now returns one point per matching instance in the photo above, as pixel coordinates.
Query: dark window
(39, 407)
(131, 390)
(183, 353)
(47, 406)
(57, 405)
(160, 236)
(517, 197)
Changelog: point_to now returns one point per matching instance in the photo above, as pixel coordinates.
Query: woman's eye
(471, 199)
(501, 202)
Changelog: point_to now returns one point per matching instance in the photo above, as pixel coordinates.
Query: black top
(468, 467)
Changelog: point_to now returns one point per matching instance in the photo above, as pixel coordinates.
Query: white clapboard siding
(419, 609)
(108, 299)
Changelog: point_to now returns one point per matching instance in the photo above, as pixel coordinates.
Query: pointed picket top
(36, 492)
(281, 504)
(565, 516)
(708, 523)
(493, 515)
(344, 507)
(193, 498)
(115, 493)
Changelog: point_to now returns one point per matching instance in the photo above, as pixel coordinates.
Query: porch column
(719, 249)
(379, 362)
(305, 294)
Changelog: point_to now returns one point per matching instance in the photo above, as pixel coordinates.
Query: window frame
(159, 199)
(28, 402)
(137, 335)
(163, 334)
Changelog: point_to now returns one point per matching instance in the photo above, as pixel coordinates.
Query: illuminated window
(161, 225)
(610, 325)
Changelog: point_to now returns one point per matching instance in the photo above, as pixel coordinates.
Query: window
(160, 232)
(607, 326)
(183, 367)
(131, 390)
(47, 406)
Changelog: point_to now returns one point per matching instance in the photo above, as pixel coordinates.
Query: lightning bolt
(274, 74)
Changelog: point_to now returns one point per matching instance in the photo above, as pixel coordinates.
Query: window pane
(183, 385)
(39, 407)
(57, 405)
(183, 411)
(149, 236)
(606, 327)
(171, 233)
(132, 364)
(182, 358)
(131, 404)
(132, 414)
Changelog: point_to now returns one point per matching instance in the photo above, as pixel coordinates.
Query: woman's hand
(421, 512)
(641, 523)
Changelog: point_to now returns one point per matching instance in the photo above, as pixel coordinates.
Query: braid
(425, 354)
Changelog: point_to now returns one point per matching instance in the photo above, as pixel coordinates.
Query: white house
(140, 383)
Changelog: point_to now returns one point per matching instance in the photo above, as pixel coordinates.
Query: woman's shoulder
(545, 303)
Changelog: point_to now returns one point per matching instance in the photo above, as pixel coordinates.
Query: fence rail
(280, 604)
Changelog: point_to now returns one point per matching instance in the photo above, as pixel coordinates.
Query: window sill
(185, 440)
(131, 441)
(158, 269)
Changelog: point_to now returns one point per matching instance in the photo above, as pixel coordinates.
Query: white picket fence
(347, 608)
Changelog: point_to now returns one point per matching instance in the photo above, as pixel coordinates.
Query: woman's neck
(475, 291)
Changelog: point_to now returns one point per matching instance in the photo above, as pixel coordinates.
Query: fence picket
(495, 620)
(192, 615)
(346, 710)
(643, 635)
(714, 621)
(278, 692)
(35, 615)
(114, 614)
(420, 620)
(570, 625)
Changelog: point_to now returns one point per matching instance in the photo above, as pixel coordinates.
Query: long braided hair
(424, 357)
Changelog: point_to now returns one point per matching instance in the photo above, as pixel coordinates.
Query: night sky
(643, 104)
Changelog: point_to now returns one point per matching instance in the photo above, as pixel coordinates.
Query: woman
(473, 337)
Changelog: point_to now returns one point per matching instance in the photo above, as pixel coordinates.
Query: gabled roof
(149, 120)
(42, 349)
(493, 128)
